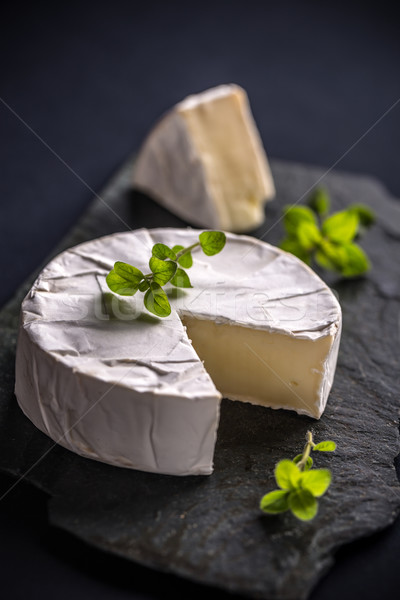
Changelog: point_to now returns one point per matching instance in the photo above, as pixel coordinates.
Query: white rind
(131, 391)
(169, 171)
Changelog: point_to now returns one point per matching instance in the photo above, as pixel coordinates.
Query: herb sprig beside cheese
(300, 485)
(166, 266)
(329, 240)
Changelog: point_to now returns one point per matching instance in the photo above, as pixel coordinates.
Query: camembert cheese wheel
(104, 378)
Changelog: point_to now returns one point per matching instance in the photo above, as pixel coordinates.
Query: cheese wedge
(205, 162)
(105, 379)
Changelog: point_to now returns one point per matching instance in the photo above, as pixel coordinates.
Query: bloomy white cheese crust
(107, 380)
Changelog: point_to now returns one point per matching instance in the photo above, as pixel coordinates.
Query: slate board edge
(325, 565)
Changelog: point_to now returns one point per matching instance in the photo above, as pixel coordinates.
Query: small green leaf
(303, 504)
(326, 446)
(144, 285)
(324, 261)
(316, 481)
(124, 279)
(319, 201)
(212, 242)
(125, 270)
(181, 279)
(309, 462)
(293, 246)
(186, 260)
(348, 259)
(294, 215)
(308, 235)
(357, 262)
(331, 255)
(287, 475)
(156, 301)
(162, 252)
(163, 270)
(341, 226)
(275, 502)
(365, 214)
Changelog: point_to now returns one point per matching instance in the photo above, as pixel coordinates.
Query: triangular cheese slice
(205, 162)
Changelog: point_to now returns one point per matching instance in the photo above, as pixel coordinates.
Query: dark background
(81, 84)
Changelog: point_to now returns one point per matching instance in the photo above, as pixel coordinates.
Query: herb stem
(306, 452)
(149, 276)
(186, 250)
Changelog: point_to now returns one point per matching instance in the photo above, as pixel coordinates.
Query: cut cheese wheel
(205, 162)
(105, 379)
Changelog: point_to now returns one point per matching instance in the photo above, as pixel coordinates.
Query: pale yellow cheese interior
(237, 174)
(262, 367)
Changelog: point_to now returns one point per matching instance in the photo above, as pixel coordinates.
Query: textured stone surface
(210, 529)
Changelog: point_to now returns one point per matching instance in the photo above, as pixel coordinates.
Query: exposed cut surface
(263, 368)
(226, 138)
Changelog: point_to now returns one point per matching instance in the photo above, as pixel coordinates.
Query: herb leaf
(308, 235)
(348, 259)
(327, 446)
(294, 215)
(162, 252)
(144, 285)
(357, 262)
(365, 214)
(212, 242)
(287, 475)
(124, 279)
(341, 226)
(303, 504)
(156, 301)
(186, 260)
(275, 502)
(163, 270)
(333, 254)
(319, 202)
(294, 247)
(316, 481)
(181, 279)
(326, 259)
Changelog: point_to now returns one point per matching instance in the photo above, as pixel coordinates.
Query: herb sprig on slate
(329, 240)
(167, 265)
(300, 485)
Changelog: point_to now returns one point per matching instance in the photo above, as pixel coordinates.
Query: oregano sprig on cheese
(300, 485)
(167, 265)
(329, 240)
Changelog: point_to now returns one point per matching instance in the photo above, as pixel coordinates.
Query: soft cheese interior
(205, 161)
(264, 368)
(105, 379)
(236, 170)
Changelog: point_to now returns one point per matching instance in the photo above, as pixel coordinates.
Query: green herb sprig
(328, 240)
(300, 485)
(167, 265)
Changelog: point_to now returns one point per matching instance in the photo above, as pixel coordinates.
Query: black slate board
(210, 529)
